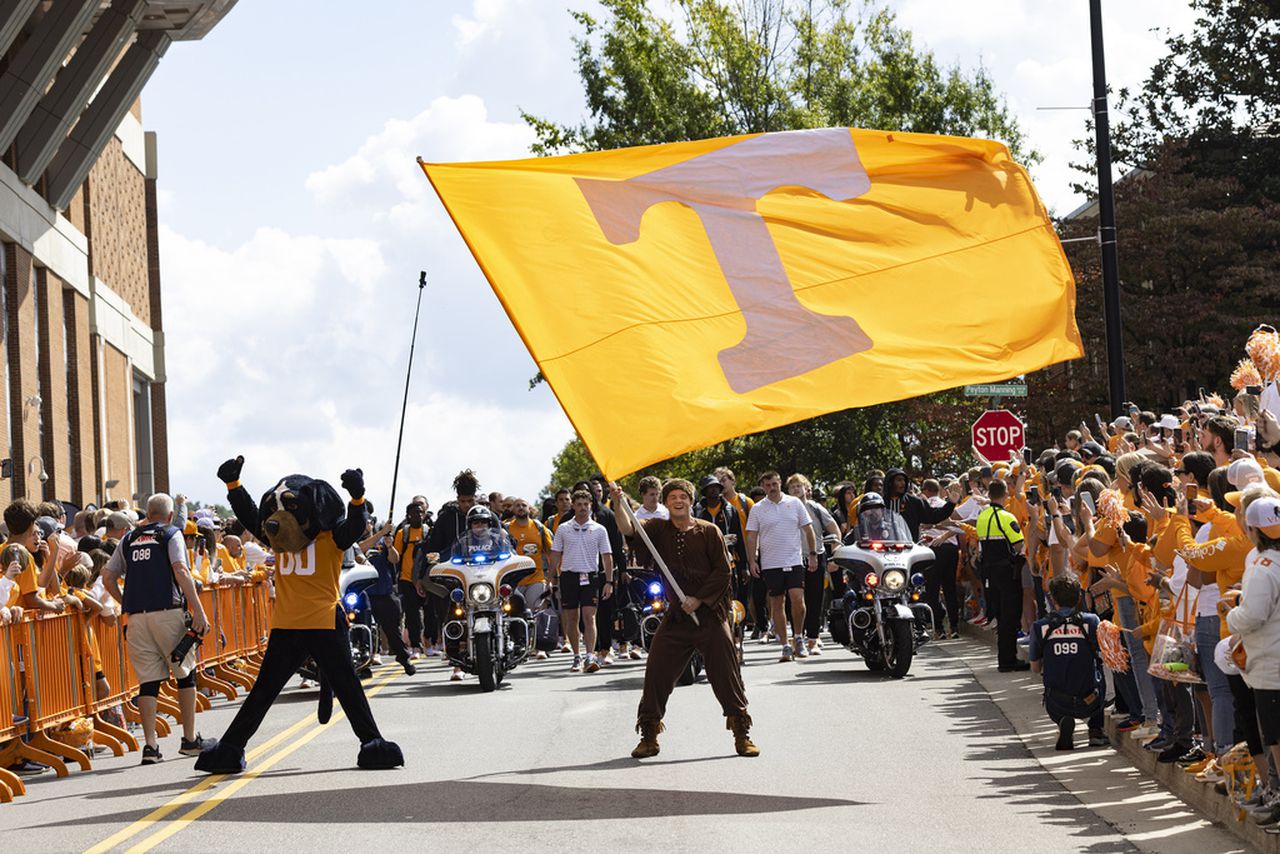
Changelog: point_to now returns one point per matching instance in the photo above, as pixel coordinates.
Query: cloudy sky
(295, 220)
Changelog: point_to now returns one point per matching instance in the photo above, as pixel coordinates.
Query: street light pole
(1107, 216)
(404, 406)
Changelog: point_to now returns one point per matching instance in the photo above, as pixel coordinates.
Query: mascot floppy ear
(330, 509)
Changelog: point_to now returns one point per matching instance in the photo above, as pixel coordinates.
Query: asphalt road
(850, 760)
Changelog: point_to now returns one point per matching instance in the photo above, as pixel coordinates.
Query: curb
(1199, 796)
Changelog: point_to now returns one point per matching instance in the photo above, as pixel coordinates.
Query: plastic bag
(1173, 656)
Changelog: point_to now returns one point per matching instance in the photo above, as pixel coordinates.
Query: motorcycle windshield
(880, 524)
(489, 546)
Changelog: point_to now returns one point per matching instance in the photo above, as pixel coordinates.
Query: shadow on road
(448, 801)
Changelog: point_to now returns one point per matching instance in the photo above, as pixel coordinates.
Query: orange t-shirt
(414, 536)
(307, 585)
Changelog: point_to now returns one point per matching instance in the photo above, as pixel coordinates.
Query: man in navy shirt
(1064, 650)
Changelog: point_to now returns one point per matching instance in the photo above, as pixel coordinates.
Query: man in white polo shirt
(580, 548)
(781, 546)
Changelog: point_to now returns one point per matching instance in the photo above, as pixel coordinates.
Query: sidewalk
(1121, 786)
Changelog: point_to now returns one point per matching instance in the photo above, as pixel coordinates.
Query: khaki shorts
(152, 636)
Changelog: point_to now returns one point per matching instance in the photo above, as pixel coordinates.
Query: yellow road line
(211, 803)
(163, 810)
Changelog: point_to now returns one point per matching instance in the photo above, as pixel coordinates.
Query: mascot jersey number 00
(303, 521)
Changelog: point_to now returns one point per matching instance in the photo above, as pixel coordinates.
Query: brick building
(80, 306)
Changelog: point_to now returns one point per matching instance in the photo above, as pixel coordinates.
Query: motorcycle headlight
(894, 580)
(482, 594)
(351, 600)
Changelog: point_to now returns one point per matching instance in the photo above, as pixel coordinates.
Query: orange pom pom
(1111, 645)
(1245, 374)
(1263, 348)
(1111, 508)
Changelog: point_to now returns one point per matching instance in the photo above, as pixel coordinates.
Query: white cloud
(382, 182)
(489, 19)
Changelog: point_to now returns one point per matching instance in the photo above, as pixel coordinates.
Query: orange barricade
(10, 783)
(47, 675)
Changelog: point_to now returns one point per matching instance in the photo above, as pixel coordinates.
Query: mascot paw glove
(353, 483)
(380, 755)
(229, 472)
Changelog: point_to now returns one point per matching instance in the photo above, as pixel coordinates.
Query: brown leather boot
(741, 726)
(648, 745)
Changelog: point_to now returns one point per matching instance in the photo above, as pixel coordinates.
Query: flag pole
(404, 406)
(1107, 216)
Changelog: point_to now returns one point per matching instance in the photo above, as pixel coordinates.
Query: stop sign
(998, 434)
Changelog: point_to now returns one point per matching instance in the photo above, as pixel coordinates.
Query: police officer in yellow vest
(1003, 549)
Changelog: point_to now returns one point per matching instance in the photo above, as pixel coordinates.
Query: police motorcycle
(362, 629)
(880, 616)
(490, 631)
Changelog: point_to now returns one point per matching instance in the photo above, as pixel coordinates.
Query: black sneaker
(195, 746)
(151, 755)
(1191, 757)
(1172, 753)
(1098, 738)
(1016, 667)
(1066, 731)
(955, 635)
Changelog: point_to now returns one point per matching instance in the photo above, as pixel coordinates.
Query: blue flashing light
(478, 558)
(352, 599)
(655, 588)
(917, 579)
(503, 555)
(457, 560)
(456, 594)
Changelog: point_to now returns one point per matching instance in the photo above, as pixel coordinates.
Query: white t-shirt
(1210, 595)
(659, 512)
(781, 527)
(581, 545)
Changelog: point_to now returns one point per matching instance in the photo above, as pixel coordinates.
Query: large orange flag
(678, 295)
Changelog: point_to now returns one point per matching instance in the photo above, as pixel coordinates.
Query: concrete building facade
(80, 307)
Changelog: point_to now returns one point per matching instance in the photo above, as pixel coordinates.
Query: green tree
(1199, 243)
(752, 66)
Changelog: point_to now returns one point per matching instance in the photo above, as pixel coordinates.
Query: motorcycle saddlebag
(547, 628)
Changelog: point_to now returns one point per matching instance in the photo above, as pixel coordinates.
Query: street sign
(999, 390)
(998, 434)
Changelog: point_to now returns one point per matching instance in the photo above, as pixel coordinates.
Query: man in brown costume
(694, 552)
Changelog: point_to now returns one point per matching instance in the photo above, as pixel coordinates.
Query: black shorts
(779, 581)
(574, 594)
(1268, 706)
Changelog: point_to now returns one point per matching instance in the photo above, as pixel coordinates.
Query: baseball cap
(1264, 515)
(48, 526)
(118, 520)
(1242, 474)
(1092, 449)
(1123, 421)
(1168, 422)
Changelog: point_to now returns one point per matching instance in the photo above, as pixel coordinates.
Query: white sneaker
(608, 659)
(635, 654)
(376, 660)
(577, 664)
(1144, 731)
(564, 647)
(456, 676)
(540, 655)
(593, 664)
(802, 651)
